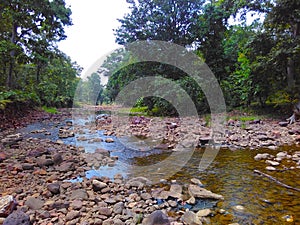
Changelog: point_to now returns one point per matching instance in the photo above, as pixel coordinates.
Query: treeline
(33, 70)
(254, 63)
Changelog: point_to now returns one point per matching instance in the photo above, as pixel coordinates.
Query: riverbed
(248, 197)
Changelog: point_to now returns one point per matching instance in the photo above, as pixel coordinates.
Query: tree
(30, 28)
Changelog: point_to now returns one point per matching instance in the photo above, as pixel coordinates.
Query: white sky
(91, 37)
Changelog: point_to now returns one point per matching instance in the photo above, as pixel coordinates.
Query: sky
(91, 36)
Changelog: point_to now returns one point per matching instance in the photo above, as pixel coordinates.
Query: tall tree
(28, 23)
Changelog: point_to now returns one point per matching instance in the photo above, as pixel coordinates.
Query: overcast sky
(91, 36)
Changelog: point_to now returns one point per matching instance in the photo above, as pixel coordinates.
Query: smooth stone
(270, 168)
(239, 208)
(272, 163)
(98, 185)
(198, 192)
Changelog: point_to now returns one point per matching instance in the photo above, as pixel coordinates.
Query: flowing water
(231, 175)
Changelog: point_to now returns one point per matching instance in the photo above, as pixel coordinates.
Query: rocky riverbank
(37, 176)
(44, 181)
(166, 133)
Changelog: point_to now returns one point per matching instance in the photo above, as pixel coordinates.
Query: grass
(51, 110)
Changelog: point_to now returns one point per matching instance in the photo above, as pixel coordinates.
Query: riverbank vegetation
(251, 46)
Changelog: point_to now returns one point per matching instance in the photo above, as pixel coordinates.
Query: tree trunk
(13, 40)
(291, 74)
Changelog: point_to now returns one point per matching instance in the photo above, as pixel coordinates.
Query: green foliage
(51, 110)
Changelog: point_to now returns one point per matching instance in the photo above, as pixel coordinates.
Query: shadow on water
(231, 175)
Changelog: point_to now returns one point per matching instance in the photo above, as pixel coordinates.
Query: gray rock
(72, 215)
(17, 218)
(27, 166)
(57, 159)
(198, 192)
(98, 185)
(54, 188)
(79, 194)
(76, 204)
(156, 218)
(118, 208)
(191, 218)
(34, 203)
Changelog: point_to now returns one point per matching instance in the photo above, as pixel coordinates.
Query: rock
(76, 204)
(156, 218)
(54, 188)
(12, 139)
(239, 208)
(272, 163)
(72, 215)
(138, 182)
(281, 154)
(191, 218)
(3, 156)
(118, 208)
(17, 218)
(283, 124)
(27, 166)
(262, 156)
(34, 203)
(98, 185)
(196, 181)
(79, 194)
(191, 201)
(104, 211)
(57, 159)
(109, 140)
(65, 167)
(203, 213)
(270, 168)
(7, 205)
(175, 191)
(44, 162)
(198, 192)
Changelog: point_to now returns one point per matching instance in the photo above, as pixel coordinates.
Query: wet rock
(157, 217)
(239, 208)
(34, 203)
(12, 139)
(272, 163)
(54, 188)
(199, 192)
(139, 182)
(270, 168)
(191, 218)
(203, 212)
(17, 218)
(262, 156)
(7, 205)
(109, 140)
(196, 181)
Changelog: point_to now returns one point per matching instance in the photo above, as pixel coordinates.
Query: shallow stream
(231, 175)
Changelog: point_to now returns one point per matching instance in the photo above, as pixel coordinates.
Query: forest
(251, 46)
